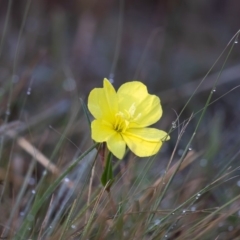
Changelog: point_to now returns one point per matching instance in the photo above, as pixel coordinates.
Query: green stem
(107, 176)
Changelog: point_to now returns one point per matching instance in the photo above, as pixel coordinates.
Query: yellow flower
(122, 118)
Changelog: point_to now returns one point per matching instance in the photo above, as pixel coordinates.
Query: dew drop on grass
(174, 125)
(189, 149)
(50, 226)
(157, 222)
(184, 211)
(173, 213)
(73, 226)
(66, 180)
(166, 236)
(33, 192)
(198, 195)
(214, 90)
(111, 78)
(31, 181)
(44, 173)
(22, 213)
(236, 41)
(29, 91)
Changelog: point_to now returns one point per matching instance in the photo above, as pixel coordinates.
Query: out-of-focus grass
(50, 186)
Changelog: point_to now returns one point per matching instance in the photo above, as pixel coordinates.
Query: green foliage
(56, 185)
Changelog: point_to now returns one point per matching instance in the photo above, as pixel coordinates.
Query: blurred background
(54, 52)
(56, 47)
(162, 43)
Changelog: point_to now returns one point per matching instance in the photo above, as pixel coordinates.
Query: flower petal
(150, 134)
(101, 132)
(103, 102)
(116, 145)
(144, 142)
(131, 92)
(148, 108)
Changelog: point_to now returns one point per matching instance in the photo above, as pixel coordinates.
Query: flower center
(123, 119)
(121, 123)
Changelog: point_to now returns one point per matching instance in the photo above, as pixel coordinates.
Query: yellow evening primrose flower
(122, 119)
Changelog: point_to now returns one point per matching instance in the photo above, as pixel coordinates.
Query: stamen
(121, 123)
(123, 119)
